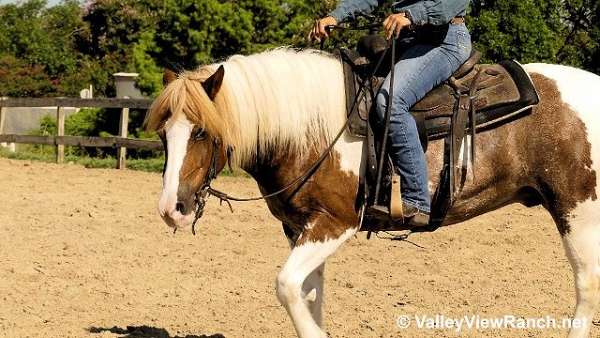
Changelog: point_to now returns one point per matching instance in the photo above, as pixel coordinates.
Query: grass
(46, 154)
(109, 162)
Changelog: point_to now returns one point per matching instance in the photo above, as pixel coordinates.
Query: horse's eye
(198, 134)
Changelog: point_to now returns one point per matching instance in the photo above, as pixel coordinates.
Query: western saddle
(477, 97)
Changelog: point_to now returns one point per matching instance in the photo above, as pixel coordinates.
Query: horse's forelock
(186, 97)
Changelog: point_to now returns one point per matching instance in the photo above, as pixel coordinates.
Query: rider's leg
(420, 69)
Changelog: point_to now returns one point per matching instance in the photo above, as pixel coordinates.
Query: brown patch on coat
(320, 209)
(561, 161)
(500, 174)
(544, 158)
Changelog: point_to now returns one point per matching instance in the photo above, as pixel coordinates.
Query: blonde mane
(281, 99)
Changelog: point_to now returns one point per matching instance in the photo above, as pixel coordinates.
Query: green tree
(18, 78)
(189, 33)
(192, 33)
(61, 49)
(150, 78)
(40, 41)
(111, 30)
(525, 30)
(581, 35)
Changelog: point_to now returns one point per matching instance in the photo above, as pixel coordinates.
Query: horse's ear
(168, 76)
(212, 85)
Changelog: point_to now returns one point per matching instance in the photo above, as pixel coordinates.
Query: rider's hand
(319, 32)
(395, 23)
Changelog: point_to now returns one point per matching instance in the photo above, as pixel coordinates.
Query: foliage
(46, 154)
(19, 78)
(98, 122)
(552, 31)
(526, 30)
(581, 35)
(37, 47)
(86, 122)
(150, 78)
(54, 51)
(190, 33)
(83, 123)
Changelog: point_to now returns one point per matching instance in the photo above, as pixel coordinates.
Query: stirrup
(396, 207)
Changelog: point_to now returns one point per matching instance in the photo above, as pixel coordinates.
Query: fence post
(2, 116)
(123, 125)
(2, 122)
(60, 124)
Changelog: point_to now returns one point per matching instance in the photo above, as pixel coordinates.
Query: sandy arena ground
(85, 254)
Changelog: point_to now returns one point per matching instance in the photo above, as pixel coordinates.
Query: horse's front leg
(300, 282)
(313, 285)
(313, 293)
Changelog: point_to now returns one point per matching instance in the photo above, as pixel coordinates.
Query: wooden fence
(60, 140)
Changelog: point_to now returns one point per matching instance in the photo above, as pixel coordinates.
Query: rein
(206, 190)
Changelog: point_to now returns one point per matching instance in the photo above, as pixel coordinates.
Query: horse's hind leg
(581, 239)
(308, 255)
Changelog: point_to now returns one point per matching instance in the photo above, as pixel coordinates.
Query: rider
(441, 44)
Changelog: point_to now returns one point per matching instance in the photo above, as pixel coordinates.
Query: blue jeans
(421, 68)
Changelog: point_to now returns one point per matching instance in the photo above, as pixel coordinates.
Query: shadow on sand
(146, 332)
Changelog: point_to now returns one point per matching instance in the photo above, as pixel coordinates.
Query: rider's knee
(399, 105)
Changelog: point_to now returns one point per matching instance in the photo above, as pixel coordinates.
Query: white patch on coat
(313, 293)
(303, 261)
(177, 133)
(350, 150)
(581, 91)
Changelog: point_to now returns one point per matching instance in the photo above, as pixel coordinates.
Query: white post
(60, 124)
(2, 119)
(122, 151)
(126, 89)
(11, 146)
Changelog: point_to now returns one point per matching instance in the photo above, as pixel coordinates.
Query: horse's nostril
(180, 207)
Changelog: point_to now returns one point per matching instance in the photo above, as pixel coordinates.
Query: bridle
(206, 190)
(203, 193)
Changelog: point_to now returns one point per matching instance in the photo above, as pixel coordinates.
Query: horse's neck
(266, 174)
(263, 165)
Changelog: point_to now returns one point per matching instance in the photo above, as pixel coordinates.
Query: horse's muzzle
(176, 220)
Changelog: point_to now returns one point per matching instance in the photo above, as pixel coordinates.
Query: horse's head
(195, 139)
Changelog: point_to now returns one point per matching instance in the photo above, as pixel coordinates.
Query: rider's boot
(400, 211)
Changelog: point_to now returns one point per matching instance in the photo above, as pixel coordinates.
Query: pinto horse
(273, 114)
